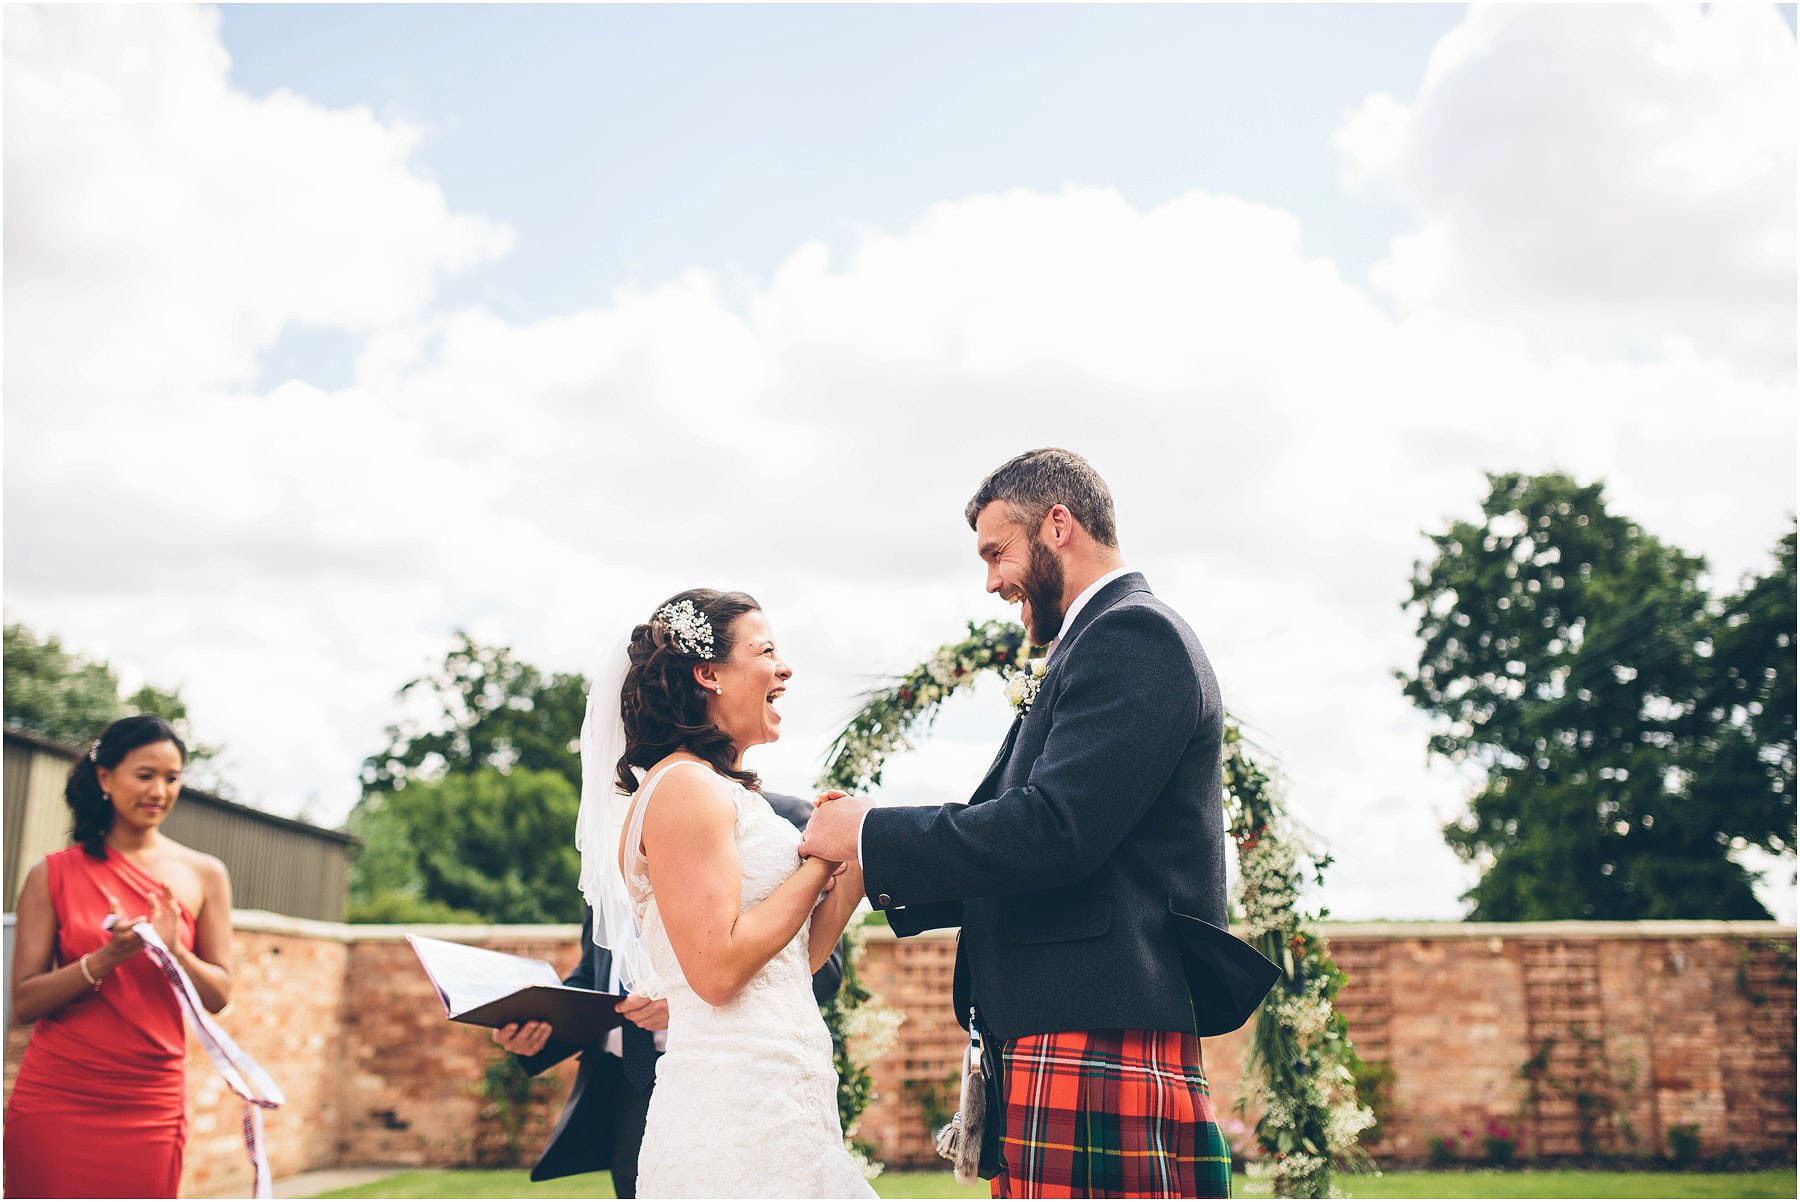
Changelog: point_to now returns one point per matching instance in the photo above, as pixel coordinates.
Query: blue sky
(353, 325)
(666, 138)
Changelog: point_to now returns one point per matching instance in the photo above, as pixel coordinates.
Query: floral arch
(1301, 1078)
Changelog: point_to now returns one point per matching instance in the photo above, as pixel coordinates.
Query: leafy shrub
(1500, 1144)
(1684, 1143)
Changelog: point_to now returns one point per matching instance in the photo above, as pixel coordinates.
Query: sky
(333, 329)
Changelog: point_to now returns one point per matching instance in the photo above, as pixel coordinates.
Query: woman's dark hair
(664, 707)
(92, 808)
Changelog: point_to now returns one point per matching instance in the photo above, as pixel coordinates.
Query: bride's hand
(826, 868)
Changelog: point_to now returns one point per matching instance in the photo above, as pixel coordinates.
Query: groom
(1088, 869)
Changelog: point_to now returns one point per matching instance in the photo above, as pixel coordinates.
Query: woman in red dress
(99, 1108)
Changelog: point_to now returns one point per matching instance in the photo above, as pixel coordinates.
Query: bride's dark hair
(664, 707)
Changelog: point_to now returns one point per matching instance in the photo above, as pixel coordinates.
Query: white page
(467, 977)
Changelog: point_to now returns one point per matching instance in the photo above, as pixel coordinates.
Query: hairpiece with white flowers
(691, 629)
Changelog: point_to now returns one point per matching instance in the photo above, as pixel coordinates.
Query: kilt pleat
(1109, 1114)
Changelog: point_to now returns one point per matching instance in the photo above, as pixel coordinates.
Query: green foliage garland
(861, 1029)
(1303, 1067)
(1302, 1077)
(888, 715)
(855, 1084)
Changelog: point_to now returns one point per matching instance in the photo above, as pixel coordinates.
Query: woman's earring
(719, 689)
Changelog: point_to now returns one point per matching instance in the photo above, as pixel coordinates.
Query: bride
(699, 890)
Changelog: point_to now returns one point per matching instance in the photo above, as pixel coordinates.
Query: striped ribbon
(245, 1077)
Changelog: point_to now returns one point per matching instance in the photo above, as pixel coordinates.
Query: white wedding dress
(745, 1104)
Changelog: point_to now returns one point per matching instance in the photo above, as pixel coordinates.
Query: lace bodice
(746, 1096)
(768, 854)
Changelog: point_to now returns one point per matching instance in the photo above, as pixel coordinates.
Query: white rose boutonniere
(1022, 686)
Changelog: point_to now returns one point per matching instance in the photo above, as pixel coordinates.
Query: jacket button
(884, 901)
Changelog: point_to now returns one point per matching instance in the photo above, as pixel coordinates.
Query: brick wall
(296, 1043)
(1594, 1032)
(411, 1080)
(1588, 1036)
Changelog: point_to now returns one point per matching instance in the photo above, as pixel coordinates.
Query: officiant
(602, 1123)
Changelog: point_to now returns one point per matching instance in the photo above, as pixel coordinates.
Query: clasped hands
(836, 822)
(830, 835)
(164, 918)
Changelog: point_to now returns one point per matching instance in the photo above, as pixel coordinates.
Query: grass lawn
(477, 1183)
(1493, 1183)
(1566, 1183)
(513, 1183)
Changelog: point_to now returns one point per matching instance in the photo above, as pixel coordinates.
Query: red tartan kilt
(1109, 1114)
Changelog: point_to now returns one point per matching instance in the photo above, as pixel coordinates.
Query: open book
(491, 989)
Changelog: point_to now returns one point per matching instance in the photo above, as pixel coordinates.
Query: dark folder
(491, 989)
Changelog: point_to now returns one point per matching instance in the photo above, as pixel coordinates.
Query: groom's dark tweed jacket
(1100, 818)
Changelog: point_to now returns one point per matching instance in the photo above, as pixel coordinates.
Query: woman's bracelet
(84, 971)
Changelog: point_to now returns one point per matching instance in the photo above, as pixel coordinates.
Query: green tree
(1569, 654)
(1747, 703)
(402, 907)
(495, 760)
(497, 845)
(487, 710)
(70, 698)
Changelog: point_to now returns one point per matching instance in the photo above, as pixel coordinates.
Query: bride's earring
(719, 689)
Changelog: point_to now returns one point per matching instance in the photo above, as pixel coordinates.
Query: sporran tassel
(960, 1140)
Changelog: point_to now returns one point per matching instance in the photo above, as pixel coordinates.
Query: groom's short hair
(1030, 484)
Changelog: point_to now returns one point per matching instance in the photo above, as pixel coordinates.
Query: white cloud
(1274, 440)
(1610, 179)
(167, 226)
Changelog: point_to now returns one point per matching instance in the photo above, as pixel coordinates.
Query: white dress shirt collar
(1086, 595)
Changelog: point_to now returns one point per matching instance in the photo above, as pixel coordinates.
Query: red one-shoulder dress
(99, 1109)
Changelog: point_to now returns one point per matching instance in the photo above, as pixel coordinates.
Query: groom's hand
(836, 822)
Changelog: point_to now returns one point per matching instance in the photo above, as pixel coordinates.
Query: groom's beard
(1043, 587)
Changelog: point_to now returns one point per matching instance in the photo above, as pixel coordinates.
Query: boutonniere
(1022, 686)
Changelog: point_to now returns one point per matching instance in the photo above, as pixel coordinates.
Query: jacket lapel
(1099, 603)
